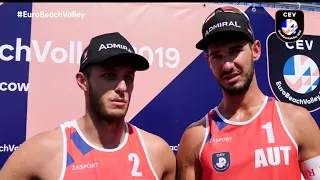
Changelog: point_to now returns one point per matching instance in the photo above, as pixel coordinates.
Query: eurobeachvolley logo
(293, 70)
(289, 25)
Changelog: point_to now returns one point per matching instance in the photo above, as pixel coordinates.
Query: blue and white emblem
(221, 161)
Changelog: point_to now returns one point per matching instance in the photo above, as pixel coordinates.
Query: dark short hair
(87, 71)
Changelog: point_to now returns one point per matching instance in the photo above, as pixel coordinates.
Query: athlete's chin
(231, 86)
(234, 88)
(117, 113)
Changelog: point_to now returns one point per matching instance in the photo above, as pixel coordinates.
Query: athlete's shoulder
(153, 141)
(298, 120)
(189, 148)
(296, 113)
(195, 131)
(44, 143)
(160, 154)
(199, 124)
(32, 154)
(192, 139)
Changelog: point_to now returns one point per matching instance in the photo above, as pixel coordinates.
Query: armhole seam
(146, 153)
(64, 151)
(205, 136)
(285, 127)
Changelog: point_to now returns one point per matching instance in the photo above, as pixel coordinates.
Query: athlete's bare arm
(38, 158)
(304, 130)
(188, 163)
(161, 156)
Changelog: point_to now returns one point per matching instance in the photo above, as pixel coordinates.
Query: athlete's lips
(118, 102)
(231, 75)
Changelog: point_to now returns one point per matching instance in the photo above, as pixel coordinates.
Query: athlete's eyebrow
(236, 47)
(106, 69)
(231, 48)
(110, 69)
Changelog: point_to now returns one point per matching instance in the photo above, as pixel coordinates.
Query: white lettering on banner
(295, 100)
(222, 24)
(174, 148)
(300, 45)
(12, 86)
(171, 54)
(289, 38)
(8, 147)
(43, 14)
(169, 57)
(42, 53)
(289, 14)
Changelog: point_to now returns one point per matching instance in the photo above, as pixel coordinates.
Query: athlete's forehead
(105, 67)
(219, 45)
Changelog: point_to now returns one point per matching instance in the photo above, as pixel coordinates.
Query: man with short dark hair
(248, 135)
(100, 145)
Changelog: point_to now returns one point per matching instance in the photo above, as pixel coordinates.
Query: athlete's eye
(111, 76)
(128, 78)
(235, 51)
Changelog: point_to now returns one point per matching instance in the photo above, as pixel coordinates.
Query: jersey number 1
(269, 129)
(136, 161)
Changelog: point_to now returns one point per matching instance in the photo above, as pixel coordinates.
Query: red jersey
(258, 149)
(84, 161)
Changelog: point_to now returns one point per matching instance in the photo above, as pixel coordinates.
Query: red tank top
(84, 161)
(258, 149)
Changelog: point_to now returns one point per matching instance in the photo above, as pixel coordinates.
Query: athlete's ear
(82, 81)
(256, 50)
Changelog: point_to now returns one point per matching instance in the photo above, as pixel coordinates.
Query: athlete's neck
(239, 107)
(102, 133)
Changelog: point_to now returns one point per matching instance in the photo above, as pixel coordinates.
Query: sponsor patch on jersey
(221, 161)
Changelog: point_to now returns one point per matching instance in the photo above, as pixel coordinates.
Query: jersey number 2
(269, 129)
(136, 161)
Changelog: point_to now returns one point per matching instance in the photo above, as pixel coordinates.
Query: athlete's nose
(228, 66)
(121, 87)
